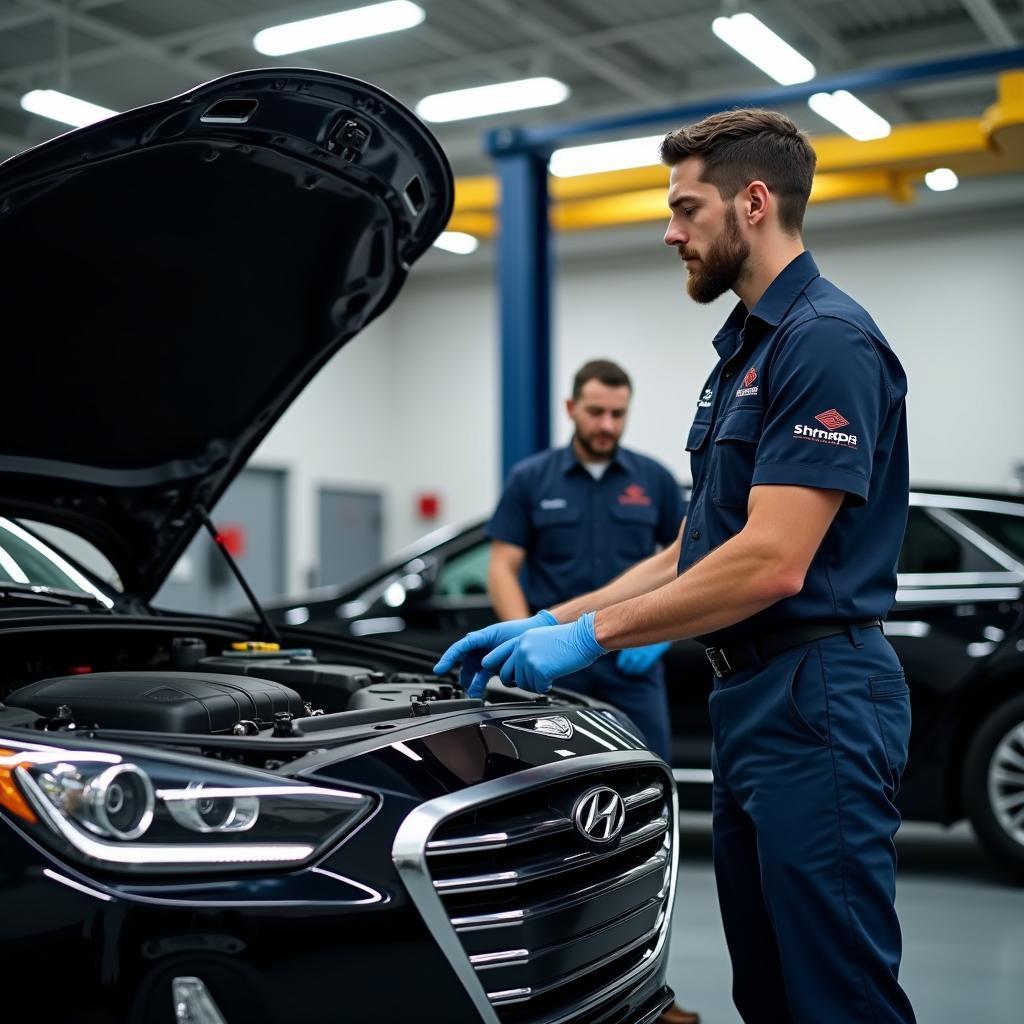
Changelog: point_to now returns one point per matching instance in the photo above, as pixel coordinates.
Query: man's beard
(721, 267)
(594, 453)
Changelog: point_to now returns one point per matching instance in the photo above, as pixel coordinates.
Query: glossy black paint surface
(284, 946)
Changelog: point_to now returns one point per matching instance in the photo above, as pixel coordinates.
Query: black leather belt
(726, 660)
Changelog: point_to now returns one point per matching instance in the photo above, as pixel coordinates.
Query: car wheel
(993, 785)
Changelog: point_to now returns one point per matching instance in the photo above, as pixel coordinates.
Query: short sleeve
(671, 510)
(511, 521)
(827, 402)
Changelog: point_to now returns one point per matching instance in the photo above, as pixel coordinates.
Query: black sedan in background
(956, 625)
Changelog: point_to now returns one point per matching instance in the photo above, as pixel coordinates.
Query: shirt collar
(780, 295)
(726, 340)
(567, 460)
(773, 305)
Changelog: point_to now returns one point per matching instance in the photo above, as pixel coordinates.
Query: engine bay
(186, 687)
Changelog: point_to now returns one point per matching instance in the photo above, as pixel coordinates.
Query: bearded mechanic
(784, 568)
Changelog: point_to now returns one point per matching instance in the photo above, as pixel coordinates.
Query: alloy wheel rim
(1006, 783)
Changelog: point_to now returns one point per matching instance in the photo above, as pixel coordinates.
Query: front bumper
(365, 934)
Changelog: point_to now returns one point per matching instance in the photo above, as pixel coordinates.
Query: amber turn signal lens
(10, 795)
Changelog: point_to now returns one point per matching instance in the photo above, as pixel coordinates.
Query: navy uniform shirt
(806, 392)
(579, 532)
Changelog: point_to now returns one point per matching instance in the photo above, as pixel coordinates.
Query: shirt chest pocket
(633, 531)
(696, 445)
(697, 436)
(733, 454)
(557, 533)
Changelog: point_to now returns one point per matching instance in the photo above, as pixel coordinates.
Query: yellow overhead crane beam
(847, 169)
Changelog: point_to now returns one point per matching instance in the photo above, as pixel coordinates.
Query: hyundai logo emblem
(557, 727)
(599, 815)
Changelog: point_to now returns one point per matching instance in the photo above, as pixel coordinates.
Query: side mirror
(413, 582)
(423, 570)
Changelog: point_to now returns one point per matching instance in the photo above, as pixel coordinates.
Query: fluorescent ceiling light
(329, 29)
(458, 242)
(606, 156)
(847, 112)
(942, 179)
(58, 106)
(761, 46)
(492, 99)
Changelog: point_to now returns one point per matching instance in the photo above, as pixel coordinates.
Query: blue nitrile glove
(534, 660)
(471, 649)
(636, 661)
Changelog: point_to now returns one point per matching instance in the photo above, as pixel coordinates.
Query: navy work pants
(642, 698)
(808, 752)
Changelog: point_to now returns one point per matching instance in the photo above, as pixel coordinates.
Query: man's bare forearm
(642, 578)
(765, 562)
(735, 581)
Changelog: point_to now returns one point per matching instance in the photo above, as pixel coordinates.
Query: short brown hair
(608, 373)
(745, 145)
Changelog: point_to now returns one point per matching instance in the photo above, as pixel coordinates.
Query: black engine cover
(175, 702)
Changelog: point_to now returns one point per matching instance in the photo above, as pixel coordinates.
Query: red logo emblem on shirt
(634, 494)
(833, 419)
(750, 377)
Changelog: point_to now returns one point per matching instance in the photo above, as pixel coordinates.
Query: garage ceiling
(615, 56)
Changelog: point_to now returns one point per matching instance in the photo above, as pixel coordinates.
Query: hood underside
(175, 275)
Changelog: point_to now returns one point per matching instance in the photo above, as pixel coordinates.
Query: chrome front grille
(553, 925)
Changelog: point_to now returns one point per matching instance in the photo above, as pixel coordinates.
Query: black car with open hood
(202, 819)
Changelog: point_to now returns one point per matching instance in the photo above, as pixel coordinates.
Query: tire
(993, 785)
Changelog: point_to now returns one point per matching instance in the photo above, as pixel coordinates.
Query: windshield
(28, 561)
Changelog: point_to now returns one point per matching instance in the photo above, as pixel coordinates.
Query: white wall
(445, 416)
(335, 435)
(413, 404)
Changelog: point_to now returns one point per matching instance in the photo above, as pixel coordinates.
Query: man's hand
(535, 659)
(471, 649)
(637, 661)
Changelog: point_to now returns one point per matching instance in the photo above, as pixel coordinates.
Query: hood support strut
(268, 627)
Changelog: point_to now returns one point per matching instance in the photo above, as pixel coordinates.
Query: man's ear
(757, 201)
(570, 404)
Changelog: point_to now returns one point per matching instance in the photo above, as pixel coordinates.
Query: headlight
(171, 814)
(115, 802)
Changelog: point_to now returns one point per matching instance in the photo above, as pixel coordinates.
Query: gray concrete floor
(963, 930)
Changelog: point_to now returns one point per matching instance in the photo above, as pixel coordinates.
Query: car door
(958, 594)
(689, 679)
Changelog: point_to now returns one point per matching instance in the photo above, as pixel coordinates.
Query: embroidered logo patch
(833, 419)
(748, 381)
(705, 399)
(634, 494)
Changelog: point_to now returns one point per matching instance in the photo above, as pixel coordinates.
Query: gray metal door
(251, 517)
(350, 534)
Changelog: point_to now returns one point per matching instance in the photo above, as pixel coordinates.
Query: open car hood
(175, 275)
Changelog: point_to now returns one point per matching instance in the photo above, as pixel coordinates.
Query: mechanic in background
(572, 519)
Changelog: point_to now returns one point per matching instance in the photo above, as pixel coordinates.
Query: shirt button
(727, 374)
(695, 535)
